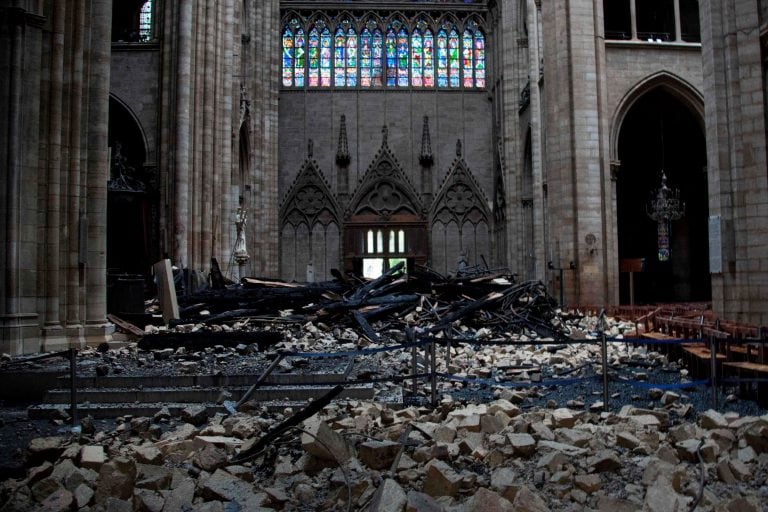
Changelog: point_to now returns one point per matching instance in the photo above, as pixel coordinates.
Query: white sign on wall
(715, 245)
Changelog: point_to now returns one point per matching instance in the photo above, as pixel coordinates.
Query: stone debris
(597, 461)
(519, 450)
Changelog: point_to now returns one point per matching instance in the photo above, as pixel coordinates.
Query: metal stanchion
(713, 369)
(605, 360)
(414, 360)
(73, 384)
(433, 372)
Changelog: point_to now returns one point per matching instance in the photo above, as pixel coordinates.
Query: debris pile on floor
(496, 446)
(361, 455)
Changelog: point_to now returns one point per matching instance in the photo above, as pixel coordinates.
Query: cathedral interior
(613, 150)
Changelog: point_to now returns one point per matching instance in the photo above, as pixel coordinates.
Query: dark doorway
(661, 133)
(132, 204)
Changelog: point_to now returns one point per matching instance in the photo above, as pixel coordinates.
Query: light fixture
(664, 206)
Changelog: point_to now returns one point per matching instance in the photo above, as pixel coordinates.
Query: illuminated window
(371, 47)
(293, 55)
(145, 22)
(314, 58)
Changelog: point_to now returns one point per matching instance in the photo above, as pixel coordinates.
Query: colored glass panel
(416, 59)
(442, 58)
(479, 59)
(351, 58)
(314, 58)
(325, 58)
(145, 22)
(299, 58)
(378, 51)
(453, 58)
(339, 62)
(402, 58)
(429, 59)
(391, 58)
(287, 57)
(466, 58)
(366, 57)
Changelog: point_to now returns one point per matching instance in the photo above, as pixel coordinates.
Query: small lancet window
(145, 22)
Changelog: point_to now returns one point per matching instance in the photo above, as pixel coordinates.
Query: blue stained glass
(299, 58)
(314, 58)
(402, 58)
(339, 68)
(442, 58)
(325, 58)
(378, 50)
(391, 58)
(366, 57)
(351, 58)
(287, 57)
(479, 59)
(416, 59)
(453, 58)
(429, 59)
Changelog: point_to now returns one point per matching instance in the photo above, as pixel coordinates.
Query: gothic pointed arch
(385, 191)
(386, 221)
(309, 225)
(460, 218)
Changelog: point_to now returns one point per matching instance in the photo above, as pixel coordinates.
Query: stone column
(534, 14)
(52, 330)
(97, 327)
(12, 340)
(74, 319)
(180, 199)
(633, 17)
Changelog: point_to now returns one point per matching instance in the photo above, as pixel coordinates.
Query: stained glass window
(339, 61)
(453, 58)
(479, 59)
(416, 59)
(449, 58)
(287, 56)
(314, 57)
(402, 58)
(442, 58)
(325, 58)
(370, 58)
(466, 58)
(429, 59)
(299, 58)
(351, 57)
(391, 58)
(145, 22)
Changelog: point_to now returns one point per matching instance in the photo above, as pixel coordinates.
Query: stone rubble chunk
(210, 458)
(378, 454)
(148, 455)
(485, 500)
(712, 419)
(145, 500)
(604, 460)
(522, 444)
(661, 497)
(504, 481)
(195, 414)
(83, 495)
(756, 436)
(590, 484)
(225, 487)
(92, 457)
(45, 448)
(391, 497)
(441, 479)
(573, 437)
(116, 479)
(320, 436)
(564, 418)
(58, 501)
(627, 440)
(420, 502)
(529, 501)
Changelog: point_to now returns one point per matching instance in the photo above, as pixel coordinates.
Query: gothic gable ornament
(309, 200)
(460, 198)
(385, 190)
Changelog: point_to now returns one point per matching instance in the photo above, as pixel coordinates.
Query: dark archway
(132, 211)
(660, 132)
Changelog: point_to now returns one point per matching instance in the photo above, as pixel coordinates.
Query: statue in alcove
(124, 176)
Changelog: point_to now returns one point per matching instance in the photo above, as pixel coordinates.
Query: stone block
(321, 438)
(92, 457)
(378, 454)
(441, 479)
(390, 497)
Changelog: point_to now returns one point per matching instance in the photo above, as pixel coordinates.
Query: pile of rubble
(365, 456)
(526, 444)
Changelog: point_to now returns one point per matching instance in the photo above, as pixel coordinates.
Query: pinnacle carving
(425, 157)
(342, 151)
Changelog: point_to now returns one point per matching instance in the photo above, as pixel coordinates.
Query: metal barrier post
(605, 360)
(414, 360)
(433, 376)
(713, 368)
(73, 384)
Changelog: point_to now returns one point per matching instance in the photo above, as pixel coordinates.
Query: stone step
(202, 394)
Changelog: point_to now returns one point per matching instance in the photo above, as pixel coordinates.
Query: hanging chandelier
(664, 206)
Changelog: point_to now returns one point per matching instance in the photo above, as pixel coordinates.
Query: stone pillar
(53, 333)
(633, 17)
(74, 312)
(540, 258)
(97, 328)
(12, 339)
(180, 197)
